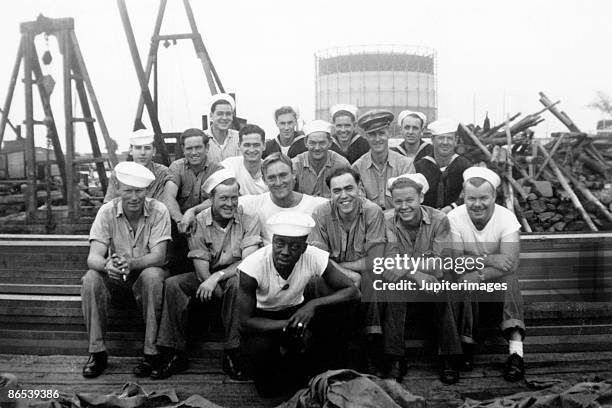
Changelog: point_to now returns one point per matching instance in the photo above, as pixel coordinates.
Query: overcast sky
(492, 56)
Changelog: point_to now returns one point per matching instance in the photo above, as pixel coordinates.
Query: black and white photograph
(305, 204)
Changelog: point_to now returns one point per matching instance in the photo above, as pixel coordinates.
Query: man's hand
(421, 278)
(300, 319)
(470, 277)
(394, 275)
(502, 262)
(187, 224)
(116, 269)
(207, 288)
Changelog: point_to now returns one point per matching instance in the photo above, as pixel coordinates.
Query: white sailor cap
(343, 107)
(291, 224)
(222, 97)
(443, 126)
(134, 174)
(141, 137)
(405, 113)
(416, 177)
(318, 126)
(483, 173)
(217, 178)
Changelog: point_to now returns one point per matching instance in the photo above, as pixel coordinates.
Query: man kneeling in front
(286, 338)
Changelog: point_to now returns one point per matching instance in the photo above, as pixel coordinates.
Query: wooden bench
(566, 281)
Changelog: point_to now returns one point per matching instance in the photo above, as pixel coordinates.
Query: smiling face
(344, 193)
(378, 140)
(222, 116)
(132, 198)
(444, 145)
(318, 143)
(225, 200)
(251, 147)
(345, 127)
(286, 251)
(286, 125)
(407, 203)
(280, 180)
(195, 150)
(479, 201)
(412, 130)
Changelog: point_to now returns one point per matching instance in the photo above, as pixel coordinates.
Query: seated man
(481, 228)
(142, 150)
(352, 229)
(289, 141)
(247, 167)
(416, 231)
(287, 338)
(223, 236)
(311, 168)
(412, 124)
(128, 239)
(347, 141)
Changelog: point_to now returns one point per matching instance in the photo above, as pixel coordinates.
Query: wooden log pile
(564, 185)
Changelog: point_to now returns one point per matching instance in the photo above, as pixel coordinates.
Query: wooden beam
(11, 89)
(30, 156)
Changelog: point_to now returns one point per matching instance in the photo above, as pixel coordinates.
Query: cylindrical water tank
(394, 77)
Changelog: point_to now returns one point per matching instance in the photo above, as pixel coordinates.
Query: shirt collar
(119, 207)
(425, 217)
(208, 219)
(336, 215)
(204, 165)
(328, 162)
(369, 162)
(353, 139)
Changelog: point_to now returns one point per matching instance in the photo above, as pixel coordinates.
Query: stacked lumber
(564, 185)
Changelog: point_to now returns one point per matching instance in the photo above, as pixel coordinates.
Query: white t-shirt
(262, 206)
(270, 293)
(486, 241)
(248, 184)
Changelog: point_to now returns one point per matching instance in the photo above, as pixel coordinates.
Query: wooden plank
(39, 289)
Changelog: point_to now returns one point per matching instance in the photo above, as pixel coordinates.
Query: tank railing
(376, 48)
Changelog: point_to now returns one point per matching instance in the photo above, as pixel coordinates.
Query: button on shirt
(313, 183)
(189, 183)
(275, 293)
(155, 189)
(219, 152)
(112, 228)
(433, 235)
(329, 234)
(223, 246)
(374, 179)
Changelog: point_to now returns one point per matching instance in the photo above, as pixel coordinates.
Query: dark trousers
(438, 308)
(178, 249)
(281, 363)
(178, 291)
(506, 306)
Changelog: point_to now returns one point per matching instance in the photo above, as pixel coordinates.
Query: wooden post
(476, 141)
(11, 89)
(30, 155)
(551, 154)
(72, 178)
(587, 193)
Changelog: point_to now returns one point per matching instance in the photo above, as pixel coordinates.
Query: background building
(394, 77)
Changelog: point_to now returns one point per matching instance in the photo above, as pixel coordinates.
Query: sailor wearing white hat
(289, 141)
(347, 141)
(311, 168)
(128, 245)
(223, 235)
(481, 228)
(443, 168)
(275, 315)
(411, 125)
(223, 140)
(417, 230)
(142, 150)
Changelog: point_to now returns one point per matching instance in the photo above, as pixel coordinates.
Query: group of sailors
(283, 233)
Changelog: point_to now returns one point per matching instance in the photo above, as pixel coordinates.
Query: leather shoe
(175, 364)
(515, 368)
(467, 362)
(448, 371)
(96, 365)
(232, 366)
(145, 366)
(397, 370)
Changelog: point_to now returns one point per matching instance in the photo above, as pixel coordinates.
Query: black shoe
(177, 363)
(515, 368)
(467, 362)
(96, 364)
(448, 372)
(146, 366)
(232, 366)
(397, 370)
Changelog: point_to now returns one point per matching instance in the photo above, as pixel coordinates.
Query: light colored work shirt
(219, 152)
(311, 182)
(190, 192)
